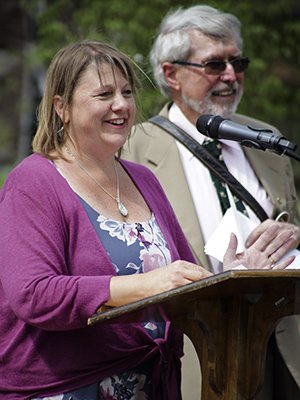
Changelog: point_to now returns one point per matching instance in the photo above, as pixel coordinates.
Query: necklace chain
(121, 207)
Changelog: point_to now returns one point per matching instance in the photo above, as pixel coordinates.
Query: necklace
(121, 207)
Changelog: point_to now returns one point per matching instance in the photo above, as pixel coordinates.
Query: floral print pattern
(133, 248)
(124, 387)
(152, 252)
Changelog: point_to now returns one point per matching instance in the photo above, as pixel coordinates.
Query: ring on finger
(272, 261)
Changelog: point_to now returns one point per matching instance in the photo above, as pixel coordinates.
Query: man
(198, 65)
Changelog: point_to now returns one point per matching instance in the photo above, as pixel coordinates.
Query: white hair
(173, 41)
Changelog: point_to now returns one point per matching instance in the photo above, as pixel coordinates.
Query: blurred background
(33, 30)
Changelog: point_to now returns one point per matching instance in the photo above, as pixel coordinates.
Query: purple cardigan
(54, 274)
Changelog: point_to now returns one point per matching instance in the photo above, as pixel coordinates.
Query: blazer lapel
(160, 155)
(268, 170)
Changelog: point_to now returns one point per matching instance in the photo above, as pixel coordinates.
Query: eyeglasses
(215, 67)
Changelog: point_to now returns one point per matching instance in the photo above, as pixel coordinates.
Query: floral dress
(133, 248)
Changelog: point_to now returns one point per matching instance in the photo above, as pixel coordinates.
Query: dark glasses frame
(215, 67)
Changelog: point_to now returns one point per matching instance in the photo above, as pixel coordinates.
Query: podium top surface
(227, 284)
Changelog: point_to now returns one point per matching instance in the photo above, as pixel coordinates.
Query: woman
(82, 229)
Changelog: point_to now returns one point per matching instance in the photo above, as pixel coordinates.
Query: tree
(271, 33)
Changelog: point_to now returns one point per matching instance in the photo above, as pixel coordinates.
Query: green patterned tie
(215, 149)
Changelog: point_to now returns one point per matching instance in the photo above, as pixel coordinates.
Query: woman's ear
(62, 112)
(170, 72)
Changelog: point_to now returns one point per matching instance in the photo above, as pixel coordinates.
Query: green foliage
(271, 33)
(2, 179)
(3, 174)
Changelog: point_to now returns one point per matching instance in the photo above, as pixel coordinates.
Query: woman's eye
(103, 94)
(128, 92)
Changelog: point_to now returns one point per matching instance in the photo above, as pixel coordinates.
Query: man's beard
(208, 106)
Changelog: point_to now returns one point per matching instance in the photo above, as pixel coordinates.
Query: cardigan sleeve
(40, 278)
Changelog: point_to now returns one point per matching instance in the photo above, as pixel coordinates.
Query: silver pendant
(122, 209)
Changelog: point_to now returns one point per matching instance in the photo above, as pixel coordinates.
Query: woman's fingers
(194, 272)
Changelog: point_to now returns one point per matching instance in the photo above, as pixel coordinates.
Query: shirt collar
(177, 117)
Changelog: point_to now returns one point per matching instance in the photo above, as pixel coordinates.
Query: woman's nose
(120, 102)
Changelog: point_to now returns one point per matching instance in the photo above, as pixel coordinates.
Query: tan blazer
(153, 147)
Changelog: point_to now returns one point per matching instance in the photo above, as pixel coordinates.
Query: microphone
(216, 127)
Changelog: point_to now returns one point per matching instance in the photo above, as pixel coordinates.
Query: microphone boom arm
(274, 142)
(216, 127)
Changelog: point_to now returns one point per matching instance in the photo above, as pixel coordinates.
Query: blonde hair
(63, 75)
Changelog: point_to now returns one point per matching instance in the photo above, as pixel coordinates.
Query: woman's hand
(259, 255)
(129, 288)
(269, 242)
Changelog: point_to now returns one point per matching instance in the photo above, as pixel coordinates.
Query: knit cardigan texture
(54, 274)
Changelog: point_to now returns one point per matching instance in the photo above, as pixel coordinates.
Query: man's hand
(257, 256)
(285, 238)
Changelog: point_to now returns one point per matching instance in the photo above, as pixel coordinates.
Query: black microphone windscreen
(209, 124)
(201, 123)
(214, 126)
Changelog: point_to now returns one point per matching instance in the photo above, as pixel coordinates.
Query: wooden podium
(229, 318)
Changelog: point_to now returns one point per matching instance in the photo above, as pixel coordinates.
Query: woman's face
(102, 111)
